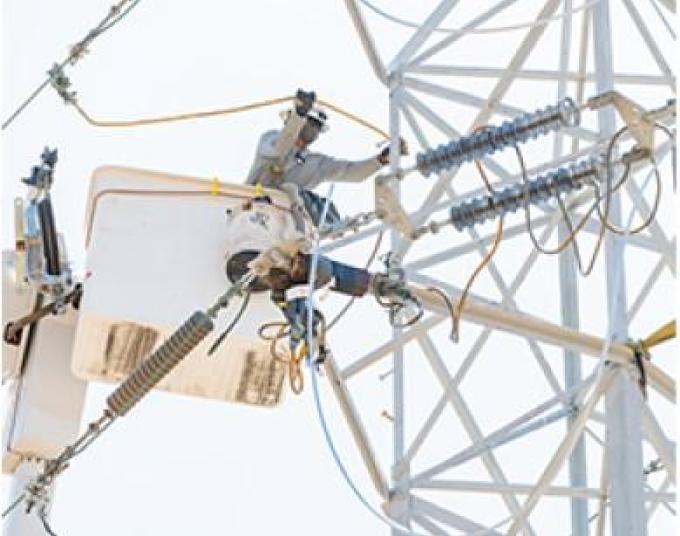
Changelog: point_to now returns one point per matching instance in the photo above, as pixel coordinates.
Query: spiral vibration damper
(485, 142)
(535, 191)
(159, 364)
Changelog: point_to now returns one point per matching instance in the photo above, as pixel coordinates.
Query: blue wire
(315, 383)
(319, 408)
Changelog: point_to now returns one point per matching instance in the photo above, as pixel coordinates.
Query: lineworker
(283, 161)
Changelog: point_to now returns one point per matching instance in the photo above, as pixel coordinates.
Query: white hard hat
(317, 115)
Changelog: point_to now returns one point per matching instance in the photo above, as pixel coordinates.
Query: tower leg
(622, 401)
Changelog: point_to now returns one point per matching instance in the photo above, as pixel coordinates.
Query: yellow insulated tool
(664, 333)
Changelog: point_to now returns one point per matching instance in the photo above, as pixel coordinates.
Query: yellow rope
(294, 362)
(221, 111)
(178, 117)
(352, 117)
(295, 376)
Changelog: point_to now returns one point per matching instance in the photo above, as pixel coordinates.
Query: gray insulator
(159, 364)
(513, 197)
(486, 142)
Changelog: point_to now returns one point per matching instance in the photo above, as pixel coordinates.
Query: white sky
(177, 465)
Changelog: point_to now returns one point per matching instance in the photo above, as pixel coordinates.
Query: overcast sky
(178, 465)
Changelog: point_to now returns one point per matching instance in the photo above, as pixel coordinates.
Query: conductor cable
(232, 324)
(481, 31)
(350, 302)
(189, 116)
(460, 304)
(573, 229)
(115, 15)
(657, 176)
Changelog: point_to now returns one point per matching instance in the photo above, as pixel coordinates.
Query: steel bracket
(388, 208)
(632, 114)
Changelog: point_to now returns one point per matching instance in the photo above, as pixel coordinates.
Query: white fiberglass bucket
(43, 401)
(156, 246)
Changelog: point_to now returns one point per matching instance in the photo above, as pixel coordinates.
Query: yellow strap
(215, 186)
(664, 333)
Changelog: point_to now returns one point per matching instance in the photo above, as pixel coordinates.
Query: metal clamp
(392, 293)
(640, 125)
(61, 83)
(12, 332)
(640, 355)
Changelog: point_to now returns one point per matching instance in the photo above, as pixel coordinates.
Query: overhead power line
(464, 31)
(116, 13)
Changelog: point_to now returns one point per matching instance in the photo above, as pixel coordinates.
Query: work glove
(384, 155)
(304, 100)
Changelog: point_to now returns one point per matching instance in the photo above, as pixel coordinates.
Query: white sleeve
(275, 146)
(286, 139)
(278, 143)
(266, 147)
(335, 170)
(265, 153)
